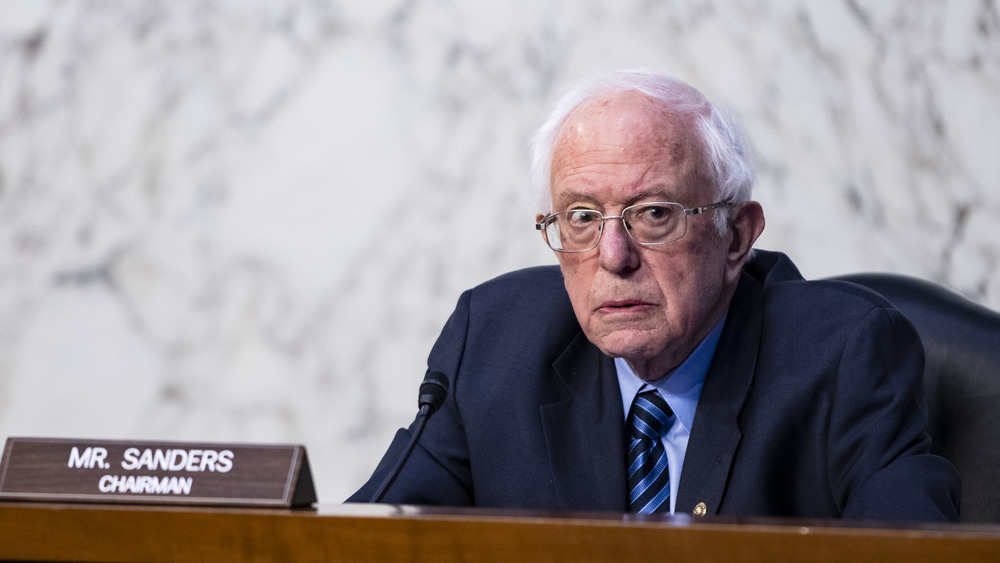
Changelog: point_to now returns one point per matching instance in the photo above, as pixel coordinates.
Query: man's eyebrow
(657, 192)
(578, 197)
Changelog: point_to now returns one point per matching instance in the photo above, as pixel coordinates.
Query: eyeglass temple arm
(709, 207)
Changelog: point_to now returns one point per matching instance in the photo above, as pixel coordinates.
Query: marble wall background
(247, 221)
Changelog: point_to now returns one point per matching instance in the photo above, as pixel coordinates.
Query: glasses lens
(577, 229)
(655, 223)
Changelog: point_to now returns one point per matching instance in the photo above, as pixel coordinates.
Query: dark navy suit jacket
(812, 407)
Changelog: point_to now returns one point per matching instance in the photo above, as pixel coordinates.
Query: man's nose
(618, 252)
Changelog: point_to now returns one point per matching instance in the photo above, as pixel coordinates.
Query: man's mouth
(622, 306)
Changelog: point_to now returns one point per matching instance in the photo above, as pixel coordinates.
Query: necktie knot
(650, 417)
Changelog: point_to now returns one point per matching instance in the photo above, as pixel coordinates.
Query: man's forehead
(642, 138)
(628, 120)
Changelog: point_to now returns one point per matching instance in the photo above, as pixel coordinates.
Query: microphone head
(432, 392)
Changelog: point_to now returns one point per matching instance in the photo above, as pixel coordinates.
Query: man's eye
(582, 217)
(654, 213)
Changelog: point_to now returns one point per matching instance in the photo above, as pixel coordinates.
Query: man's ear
(746, 223)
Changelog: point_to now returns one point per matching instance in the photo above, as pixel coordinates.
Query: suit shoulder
(526, 277)
(828, 293)
(537, 285)
(516, 301)
(781, 281)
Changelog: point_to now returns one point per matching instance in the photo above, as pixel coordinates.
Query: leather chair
(961, 380)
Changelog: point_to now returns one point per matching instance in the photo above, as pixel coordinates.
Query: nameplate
(140, 472)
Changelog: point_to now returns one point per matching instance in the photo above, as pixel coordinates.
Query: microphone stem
(424, 414)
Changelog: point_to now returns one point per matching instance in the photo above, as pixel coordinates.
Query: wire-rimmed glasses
(648, 224)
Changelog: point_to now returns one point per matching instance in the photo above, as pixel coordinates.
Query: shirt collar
(681, 388)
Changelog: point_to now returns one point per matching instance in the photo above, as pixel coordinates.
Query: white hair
(725, 147)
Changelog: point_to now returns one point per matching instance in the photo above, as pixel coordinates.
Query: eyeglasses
(648, 224)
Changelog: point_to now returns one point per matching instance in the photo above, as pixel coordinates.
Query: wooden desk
(58, 532)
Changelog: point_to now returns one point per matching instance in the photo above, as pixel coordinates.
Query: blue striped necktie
(648, 474)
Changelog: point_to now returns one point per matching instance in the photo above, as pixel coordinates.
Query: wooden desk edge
(356, 532)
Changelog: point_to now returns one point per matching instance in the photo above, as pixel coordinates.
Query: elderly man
(664, 366)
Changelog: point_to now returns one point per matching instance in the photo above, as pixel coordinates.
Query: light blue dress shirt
(681, 388)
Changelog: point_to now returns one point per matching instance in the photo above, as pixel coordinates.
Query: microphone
(433, 390)
(432, 393)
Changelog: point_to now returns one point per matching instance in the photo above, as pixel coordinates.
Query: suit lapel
(716, 434)
(584, 431)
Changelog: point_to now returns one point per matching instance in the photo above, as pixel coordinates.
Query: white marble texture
(247, 221)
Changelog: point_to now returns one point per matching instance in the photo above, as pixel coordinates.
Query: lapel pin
(700, 509)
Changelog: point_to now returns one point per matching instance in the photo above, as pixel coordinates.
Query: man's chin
(629, 345)
(648, 355)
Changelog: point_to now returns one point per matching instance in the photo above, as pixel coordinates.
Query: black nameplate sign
(141, 472)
